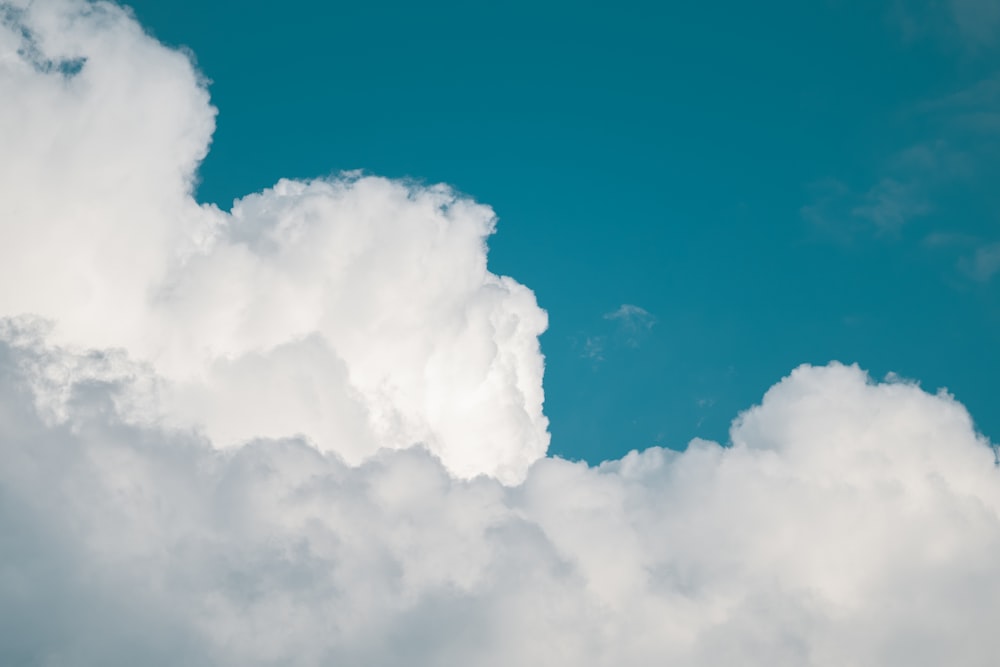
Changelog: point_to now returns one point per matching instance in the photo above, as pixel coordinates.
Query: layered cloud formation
(308, 431)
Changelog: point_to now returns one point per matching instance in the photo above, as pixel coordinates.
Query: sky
(402, 335)
(802, 182)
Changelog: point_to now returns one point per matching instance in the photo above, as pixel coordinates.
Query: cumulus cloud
(355, 311)
(849, 522)
(308, 431)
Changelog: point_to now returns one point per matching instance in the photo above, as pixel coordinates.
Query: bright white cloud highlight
(324, 327)
(357, 311)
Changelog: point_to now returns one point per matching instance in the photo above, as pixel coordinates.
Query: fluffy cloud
(356, 311)
(257, 437)
(848, 523)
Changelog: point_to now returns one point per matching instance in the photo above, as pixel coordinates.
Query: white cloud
(632, 315)
(849, 523)
(356, 311)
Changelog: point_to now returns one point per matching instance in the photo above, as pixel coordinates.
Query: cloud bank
(848, 523)
(308, 431)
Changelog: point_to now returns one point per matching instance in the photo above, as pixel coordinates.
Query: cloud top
(355, 311)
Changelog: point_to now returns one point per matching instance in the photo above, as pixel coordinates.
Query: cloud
(827, 209)
(903, 194)
(633, 322)
(972, 23)
(355, 311)
(849, 522)
(983, 263)
(308, 431)
(627, 326)
(954, 160)
(913, 180)
(977, 20)
(593, 348)
(632, 316)
(970, 111)
(890, 204)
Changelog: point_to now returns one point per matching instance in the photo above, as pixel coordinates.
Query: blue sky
(763, 187)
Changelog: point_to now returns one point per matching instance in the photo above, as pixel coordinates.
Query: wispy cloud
(626, 326)
(890, 204)
(962, 143)
(632, 316)
(974, 24)
(949, 240)
(983, 264)
(973, 110)
(593, 347)
(977, 20)
(972, 114)
(633, 323)
(881, 209)
(958, 133)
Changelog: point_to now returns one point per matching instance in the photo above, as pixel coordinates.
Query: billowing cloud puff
(255, 437)
(355, 311)
(848, 523)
